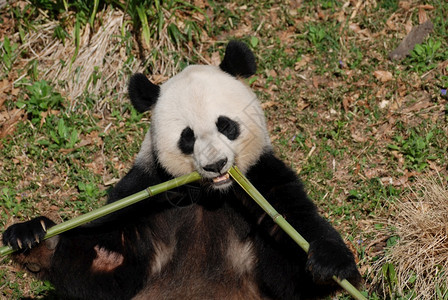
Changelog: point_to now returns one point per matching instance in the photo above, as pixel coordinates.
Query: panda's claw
(23, 236)
(19, 243)
(42, 223)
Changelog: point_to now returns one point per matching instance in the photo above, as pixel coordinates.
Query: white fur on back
(196, 97)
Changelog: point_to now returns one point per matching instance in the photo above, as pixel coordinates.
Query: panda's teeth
(221, 178)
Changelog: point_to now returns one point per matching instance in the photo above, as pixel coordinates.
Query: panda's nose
(216, 167)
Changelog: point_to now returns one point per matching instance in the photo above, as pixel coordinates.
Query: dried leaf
(383, 104)
(4, 84)
(84, 142)
(294, 4)
(339, 16)
(408, 26)
(2, 100)
(268, 104)
(384, 130)
(215, 59)
(355, 27)
(422, 17)
(391, 23)
(406, 5)
(315, 82)
(66, 151)
(422, 100)
(371, 173)
(15, 92)
(302, 62)
(401, 181)
(8, 127)
(417, 107)
(426, 6)
(97, 166)
(301, 105)
(383, 76)
(358, 138)
(434, 166)
(347, 102)
(157, 78)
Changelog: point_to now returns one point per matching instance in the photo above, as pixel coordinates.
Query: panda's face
(206, 120)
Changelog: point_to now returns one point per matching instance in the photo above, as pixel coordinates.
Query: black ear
(143, 93)
(238, 60)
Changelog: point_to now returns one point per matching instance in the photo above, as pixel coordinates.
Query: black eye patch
(186, 141)
(228, 127)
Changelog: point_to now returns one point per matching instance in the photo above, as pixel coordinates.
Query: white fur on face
(195, 98)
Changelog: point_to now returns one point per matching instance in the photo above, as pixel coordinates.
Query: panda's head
(203, 119)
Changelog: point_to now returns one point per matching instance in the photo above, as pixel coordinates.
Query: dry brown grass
(102, 51)
(421, 223)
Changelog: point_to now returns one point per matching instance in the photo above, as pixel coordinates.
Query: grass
(360, 141)
(420, 223)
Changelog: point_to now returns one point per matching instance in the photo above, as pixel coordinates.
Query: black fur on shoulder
(142, 92)
(239, 61)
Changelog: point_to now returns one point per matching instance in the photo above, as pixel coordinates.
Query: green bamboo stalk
(112, 207)
(279, 220)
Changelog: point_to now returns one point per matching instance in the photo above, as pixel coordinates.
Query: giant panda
(205, 240)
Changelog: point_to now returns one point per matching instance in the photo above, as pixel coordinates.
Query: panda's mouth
(222, 179)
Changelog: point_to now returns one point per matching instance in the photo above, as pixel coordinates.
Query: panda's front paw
(27, 234)
(328, 258)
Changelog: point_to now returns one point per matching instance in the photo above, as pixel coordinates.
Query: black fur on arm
(284, 191)
(278, 254)
(104, 259)
(123, 236)
(136, 180)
